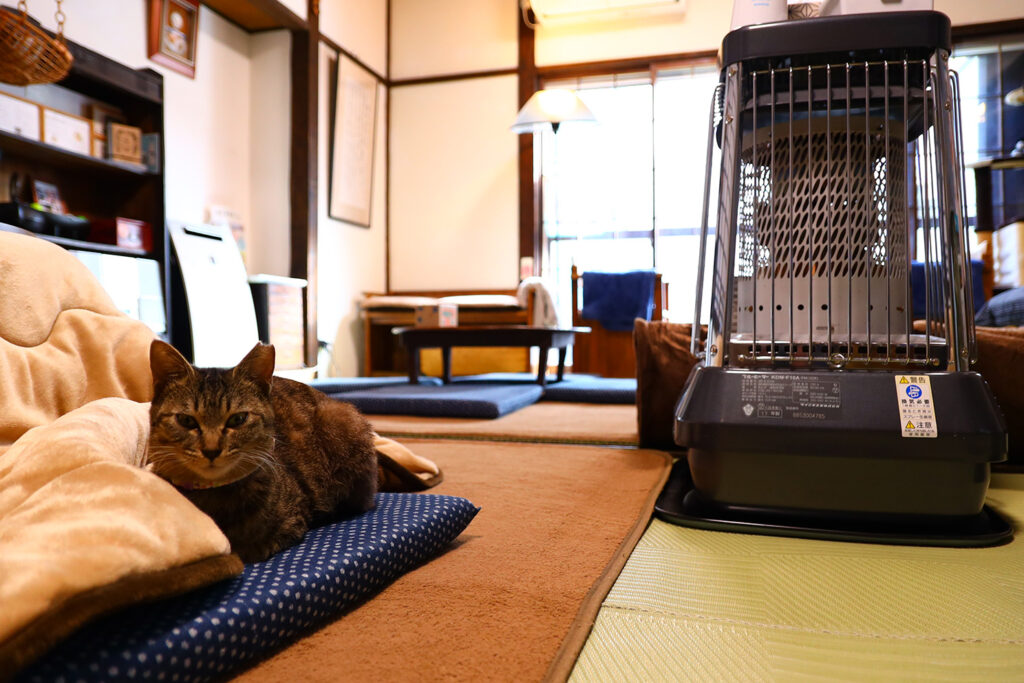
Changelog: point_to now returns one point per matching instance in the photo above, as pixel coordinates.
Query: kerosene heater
(822, 407)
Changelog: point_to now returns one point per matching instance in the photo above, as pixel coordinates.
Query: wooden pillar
(529, 179)
(304, 149)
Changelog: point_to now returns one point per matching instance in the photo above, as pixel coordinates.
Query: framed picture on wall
(354, 128)
(173, 33)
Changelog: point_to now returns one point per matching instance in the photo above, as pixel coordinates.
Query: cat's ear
(259, 364)
(166, 363)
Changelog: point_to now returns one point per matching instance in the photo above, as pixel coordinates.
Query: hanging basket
(28, 54)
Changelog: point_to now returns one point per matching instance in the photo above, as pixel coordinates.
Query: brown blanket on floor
(664, 362)
(516, 598)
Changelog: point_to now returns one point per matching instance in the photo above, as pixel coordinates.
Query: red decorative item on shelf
(124, 232)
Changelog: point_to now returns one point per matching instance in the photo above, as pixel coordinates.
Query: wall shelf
(97, 188)
(80, 245)
(41, 151)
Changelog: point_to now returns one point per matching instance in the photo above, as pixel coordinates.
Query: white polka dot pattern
(216, 630)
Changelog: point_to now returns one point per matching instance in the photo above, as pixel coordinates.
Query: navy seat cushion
(340, 385)
(592, 389)
(575, 388)
(448, 400)
(214, 631)
(1003, 309)
(918, 289)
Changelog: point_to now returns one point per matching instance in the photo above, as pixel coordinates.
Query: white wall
(441, 37)
(454, 185)
(701, 27)
(360, 27)
(453, 166)
(351, 258)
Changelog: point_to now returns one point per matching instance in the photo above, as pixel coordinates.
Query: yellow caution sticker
(917, 406)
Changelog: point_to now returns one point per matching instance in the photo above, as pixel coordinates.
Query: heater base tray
(680, 503)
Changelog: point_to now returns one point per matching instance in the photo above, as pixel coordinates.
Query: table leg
(542, 371)
(983, 197)
(446, 360)
(413, 355)
(561, 362)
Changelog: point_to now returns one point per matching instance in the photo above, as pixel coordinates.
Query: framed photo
(101, 116)
(67, 131)
(20, 116)
(173, 32)
(354, 128)
(124, 143)
(47, 196)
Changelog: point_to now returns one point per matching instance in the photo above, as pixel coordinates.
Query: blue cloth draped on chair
(617, 299)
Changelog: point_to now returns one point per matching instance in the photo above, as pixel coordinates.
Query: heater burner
(841, 161)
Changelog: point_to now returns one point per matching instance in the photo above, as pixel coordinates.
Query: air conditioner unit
(579, 11)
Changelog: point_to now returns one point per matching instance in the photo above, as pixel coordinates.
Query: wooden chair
(608, 353)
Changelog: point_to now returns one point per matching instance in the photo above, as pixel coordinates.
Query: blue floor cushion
(214, 631)
(341, 385)
(592, 389)
(576, 388)
(485, 401)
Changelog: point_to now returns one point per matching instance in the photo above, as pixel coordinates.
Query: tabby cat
(266, 457)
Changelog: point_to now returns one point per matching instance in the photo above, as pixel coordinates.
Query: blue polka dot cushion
(214, 631)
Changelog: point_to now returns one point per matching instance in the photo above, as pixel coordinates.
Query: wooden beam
(966, 32)
(610, 66)
(304, 148)
(257, 15)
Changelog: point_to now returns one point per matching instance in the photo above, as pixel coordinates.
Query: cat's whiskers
(261, 459)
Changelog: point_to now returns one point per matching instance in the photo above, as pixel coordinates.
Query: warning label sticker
(917, 410)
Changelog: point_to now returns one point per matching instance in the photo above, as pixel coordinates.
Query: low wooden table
(416, 338)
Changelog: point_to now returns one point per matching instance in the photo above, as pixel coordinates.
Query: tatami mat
(708, 605)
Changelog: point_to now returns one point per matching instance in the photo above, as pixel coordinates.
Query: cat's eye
(186, 421)
(236, 420)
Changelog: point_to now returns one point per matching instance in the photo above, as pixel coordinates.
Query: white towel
(544, 313)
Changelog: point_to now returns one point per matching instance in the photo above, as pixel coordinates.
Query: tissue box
(437, 315)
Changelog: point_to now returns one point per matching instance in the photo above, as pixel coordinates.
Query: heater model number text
(917, 409)
(790, 396)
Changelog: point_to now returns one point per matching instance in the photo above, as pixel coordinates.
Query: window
(626, 193)
(993, 124)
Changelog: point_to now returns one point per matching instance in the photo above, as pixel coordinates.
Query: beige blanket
(84, 529)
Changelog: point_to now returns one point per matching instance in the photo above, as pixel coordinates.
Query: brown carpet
(519, 590)
(547, 422)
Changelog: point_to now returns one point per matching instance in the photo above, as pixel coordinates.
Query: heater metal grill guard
(829, 171)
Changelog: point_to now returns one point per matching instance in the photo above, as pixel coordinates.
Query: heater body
(821, 392)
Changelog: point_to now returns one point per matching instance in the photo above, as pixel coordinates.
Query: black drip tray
(680, 503)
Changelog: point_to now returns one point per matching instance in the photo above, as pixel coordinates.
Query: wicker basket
(28, 54)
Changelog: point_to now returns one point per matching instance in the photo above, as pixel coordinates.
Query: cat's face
(210, 426)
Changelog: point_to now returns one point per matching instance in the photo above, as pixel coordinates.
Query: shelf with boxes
(81, 164)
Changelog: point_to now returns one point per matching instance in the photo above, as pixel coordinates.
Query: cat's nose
(211, 454)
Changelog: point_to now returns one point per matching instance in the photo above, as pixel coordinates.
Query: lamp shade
(551, 107)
